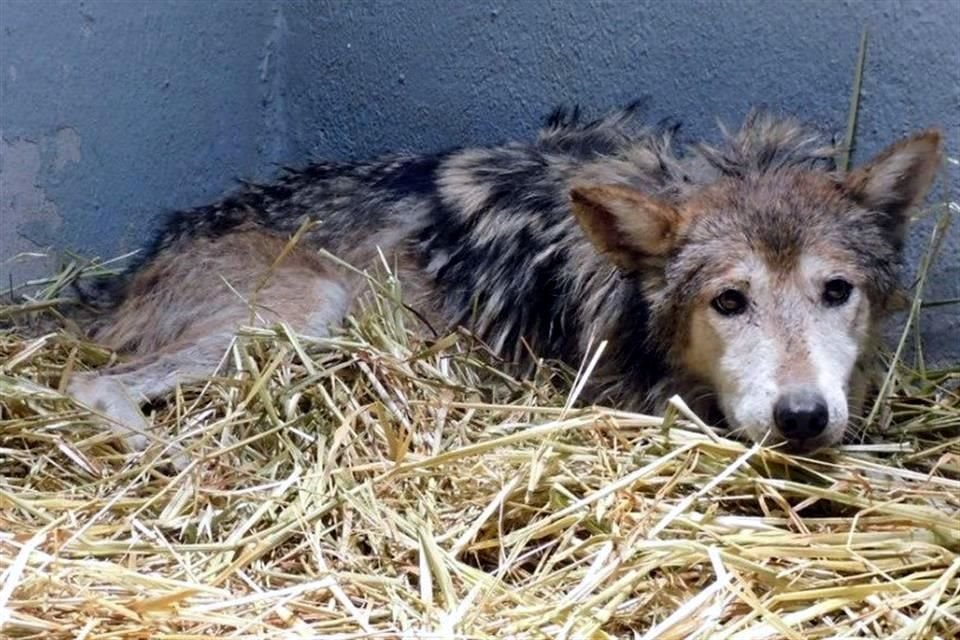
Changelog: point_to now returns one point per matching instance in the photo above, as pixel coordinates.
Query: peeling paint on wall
(31, 221)
(114, 112)
(66, 148)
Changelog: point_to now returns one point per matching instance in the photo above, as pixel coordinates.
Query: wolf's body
(488, 238)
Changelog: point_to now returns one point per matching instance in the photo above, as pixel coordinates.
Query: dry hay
(380, 485)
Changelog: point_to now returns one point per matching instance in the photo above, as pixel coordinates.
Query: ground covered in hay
(382, 485)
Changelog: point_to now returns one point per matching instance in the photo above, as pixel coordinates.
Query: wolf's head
(766, 280)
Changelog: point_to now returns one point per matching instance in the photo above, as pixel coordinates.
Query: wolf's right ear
(898, 179)
(627, 226)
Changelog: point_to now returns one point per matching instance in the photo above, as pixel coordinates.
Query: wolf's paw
(112, 404)
(119, 411)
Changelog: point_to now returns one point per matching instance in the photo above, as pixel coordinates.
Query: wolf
(751, 274)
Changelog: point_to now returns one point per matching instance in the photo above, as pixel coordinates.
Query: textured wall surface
(114, 111)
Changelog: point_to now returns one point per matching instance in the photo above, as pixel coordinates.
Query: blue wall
(112, 111)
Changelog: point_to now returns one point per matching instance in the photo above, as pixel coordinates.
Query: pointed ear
(624, 224)
(898, 178)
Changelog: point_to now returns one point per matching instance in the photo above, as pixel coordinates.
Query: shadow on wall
(128, 109)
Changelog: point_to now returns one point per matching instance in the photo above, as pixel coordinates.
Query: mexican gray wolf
(751, 275)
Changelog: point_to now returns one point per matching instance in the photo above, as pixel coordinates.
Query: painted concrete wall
(112, 111)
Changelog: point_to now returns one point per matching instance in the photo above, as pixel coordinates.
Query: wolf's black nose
(801, 414)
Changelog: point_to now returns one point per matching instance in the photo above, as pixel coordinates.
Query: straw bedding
(384, 484)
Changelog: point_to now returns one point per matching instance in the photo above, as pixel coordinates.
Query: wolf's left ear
(627, 226)
(898, 178)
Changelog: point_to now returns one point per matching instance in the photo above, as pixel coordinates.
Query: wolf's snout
(801, 414)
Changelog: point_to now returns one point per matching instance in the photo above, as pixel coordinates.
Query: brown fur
(240, 278)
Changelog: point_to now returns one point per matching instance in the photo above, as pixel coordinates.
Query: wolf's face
(781, 293)
(767, 287)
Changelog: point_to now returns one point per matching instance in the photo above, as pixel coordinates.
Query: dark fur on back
(491, 232)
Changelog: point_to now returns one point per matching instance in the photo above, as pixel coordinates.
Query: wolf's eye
(836, 292)
(730, 303)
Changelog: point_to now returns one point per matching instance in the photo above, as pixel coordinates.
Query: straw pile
(380, 484)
